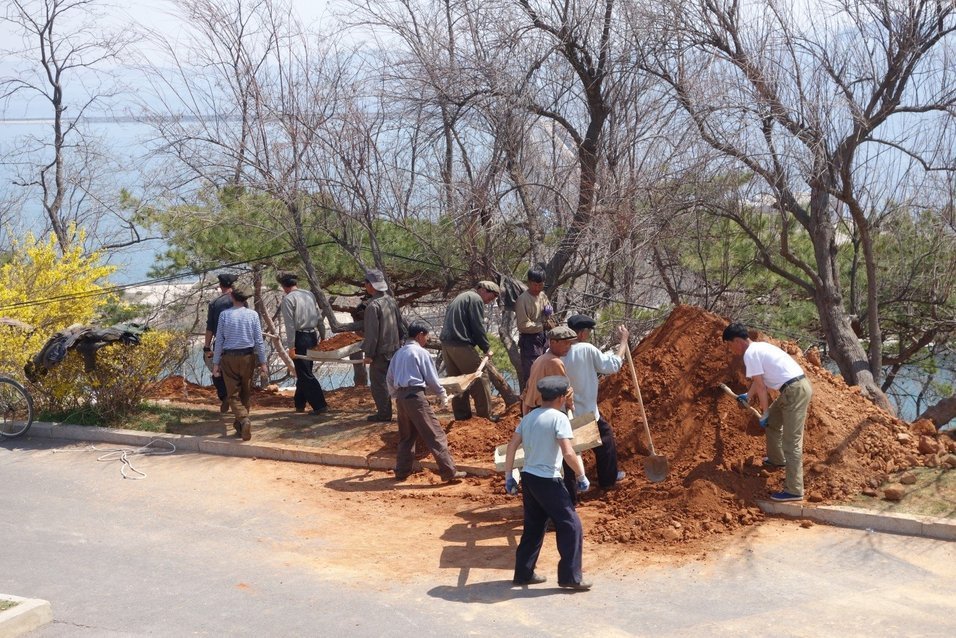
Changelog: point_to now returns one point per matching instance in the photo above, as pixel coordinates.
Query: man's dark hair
(734, 331)
(287, 279)
(536, 274)
(416, 328)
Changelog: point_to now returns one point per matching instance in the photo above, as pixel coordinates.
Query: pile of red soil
(715, 476)
(339, 340)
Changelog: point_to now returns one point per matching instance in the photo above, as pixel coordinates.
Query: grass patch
(151, 417)
(933, 494)
(154, 417)
(7, 604)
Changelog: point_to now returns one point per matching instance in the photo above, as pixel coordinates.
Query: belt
(305, 332)
(409, 392)
(239, 351)
(791, 382)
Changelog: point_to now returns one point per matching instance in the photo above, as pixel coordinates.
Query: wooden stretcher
(586, 437)
(340, 354)
(460, 384)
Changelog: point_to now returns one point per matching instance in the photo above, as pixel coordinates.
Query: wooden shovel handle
(725, 388)
(640, 399)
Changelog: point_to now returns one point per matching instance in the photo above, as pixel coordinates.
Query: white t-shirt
(584, 363)
(540, 430)
(776, 366)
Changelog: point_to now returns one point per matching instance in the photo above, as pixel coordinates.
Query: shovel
(655, 466)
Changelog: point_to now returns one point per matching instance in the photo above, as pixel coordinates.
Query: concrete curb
(232, 447)
(857, 518)
(27, 615)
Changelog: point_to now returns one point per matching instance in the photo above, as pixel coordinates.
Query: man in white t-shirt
(767, 366)
(583, 363)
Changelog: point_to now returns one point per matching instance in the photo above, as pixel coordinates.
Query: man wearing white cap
(383, 331)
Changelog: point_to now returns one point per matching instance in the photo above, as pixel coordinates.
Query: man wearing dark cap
(238, 347)
(412, 373)
(383, 329)
(533, 316)
(549, 364)
(769, 367)
(216, 307)
(584, 363)
(462, 332)
(300, 314)
(546, 435)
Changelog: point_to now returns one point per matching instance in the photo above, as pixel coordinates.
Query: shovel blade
(655, 467)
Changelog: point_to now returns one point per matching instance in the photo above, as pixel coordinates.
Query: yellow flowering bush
(48, 291)
(116, 386)
(51, 291)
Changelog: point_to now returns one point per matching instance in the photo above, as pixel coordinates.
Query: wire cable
(123, 455)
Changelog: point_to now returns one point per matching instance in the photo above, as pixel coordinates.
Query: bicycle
(16, 409)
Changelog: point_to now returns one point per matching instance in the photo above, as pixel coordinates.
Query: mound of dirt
(715, 476)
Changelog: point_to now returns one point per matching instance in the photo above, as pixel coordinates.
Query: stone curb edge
(227, 447)
(857, 518)
(27, 615)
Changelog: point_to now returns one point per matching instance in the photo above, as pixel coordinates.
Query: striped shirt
(299, 313)
(239, 328)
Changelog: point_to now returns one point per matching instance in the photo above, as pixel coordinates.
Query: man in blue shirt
(411, 373)
(238, 346)
(546, 435)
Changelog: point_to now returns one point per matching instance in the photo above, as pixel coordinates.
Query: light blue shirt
(540, 430)
(583, 363)
(412, 366)
(239, 328)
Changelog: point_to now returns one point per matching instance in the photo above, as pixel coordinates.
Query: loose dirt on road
(715, 476)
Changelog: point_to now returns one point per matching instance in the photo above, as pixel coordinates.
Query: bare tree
(823, 113)
(62, 60)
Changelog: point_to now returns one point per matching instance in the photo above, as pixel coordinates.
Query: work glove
(444, 401)
(743, 399)
(547, 311)
(511, 486)
(583, 484)
(764, 420)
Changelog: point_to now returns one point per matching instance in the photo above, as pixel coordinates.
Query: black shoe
(223, 407)
(238, 427)
(582, 586)
(322, 410)
(300, 410)
(536, 579)
(246, 431)
(401, 477)
(378, 418)
(771, 466)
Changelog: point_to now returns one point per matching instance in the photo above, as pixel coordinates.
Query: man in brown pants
(411, 372)
(462, 332)
(238, 347)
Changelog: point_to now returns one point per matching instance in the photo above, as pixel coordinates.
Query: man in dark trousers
(383, 329)
(533, 316)
(463, 331)
(238, 347)
(767, 366)
(546, 435)
(412, 373)
(583, 363)
(300, 314)
(216, 307)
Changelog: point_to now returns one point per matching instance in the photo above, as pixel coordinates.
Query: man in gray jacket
(300, 314)
(462, 332)
(383, 330)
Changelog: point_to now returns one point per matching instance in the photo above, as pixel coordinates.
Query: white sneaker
(621, 475)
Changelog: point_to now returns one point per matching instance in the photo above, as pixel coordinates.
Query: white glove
(445, 402)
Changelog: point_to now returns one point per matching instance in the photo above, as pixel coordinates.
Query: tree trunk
(501, 384)
(941, 413)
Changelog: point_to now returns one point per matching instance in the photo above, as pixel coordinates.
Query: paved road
(196, 549)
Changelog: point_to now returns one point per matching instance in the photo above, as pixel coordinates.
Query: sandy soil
(715, 476)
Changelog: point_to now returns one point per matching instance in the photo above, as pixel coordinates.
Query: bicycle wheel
(16, 409)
